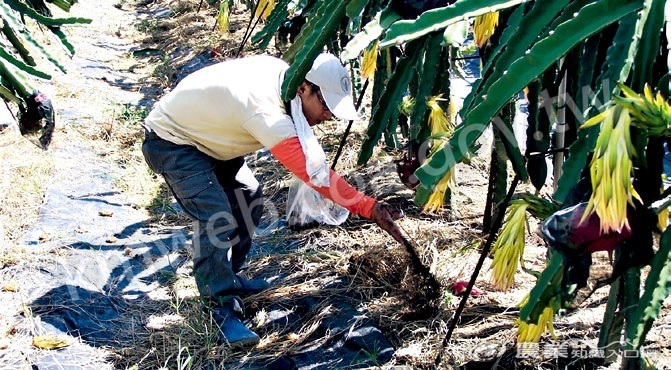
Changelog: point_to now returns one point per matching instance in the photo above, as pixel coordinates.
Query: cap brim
(341, 106)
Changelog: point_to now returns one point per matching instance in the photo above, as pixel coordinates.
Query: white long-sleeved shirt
(226, 110)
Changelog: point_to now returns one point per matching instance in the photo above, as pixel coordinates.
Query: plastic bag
(306, 207)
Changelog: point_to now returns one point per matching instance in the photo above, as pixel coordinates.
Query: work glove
(384, 216)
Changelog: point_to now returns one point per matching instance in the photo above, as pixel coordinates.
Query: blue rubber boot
(251, 286)
(232, 330)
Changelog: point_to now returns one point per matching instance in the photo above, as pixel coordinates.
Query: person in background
(196, 137)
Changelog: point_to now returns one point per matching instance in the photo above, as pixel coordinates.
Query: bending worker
(196, 137)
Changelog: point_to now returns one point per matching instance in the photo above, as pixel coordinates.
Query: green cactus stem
(588, 21)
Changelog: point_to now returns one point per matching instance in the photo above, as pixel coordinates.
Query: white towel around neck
(315, 160)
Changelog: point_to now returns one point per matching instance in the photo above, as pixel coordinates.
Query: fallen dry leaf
(50, 341)
(10, 287)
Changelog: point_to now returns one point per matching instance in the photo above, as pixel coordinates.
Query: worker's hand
(384, 215)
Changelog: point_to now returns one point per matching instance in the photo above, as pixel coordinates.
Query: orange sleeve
(290, 153)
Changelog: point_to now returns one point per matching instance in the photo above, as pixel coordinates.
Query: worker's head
(327, 91)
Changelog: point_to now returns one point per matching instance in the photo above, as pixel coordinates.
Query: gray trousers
(224, 200)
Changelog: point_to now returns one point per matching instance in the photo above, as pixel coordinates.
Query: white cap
(336, 87)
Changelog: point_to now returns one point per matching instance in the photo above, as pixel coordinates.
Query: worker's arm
(290, 153)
